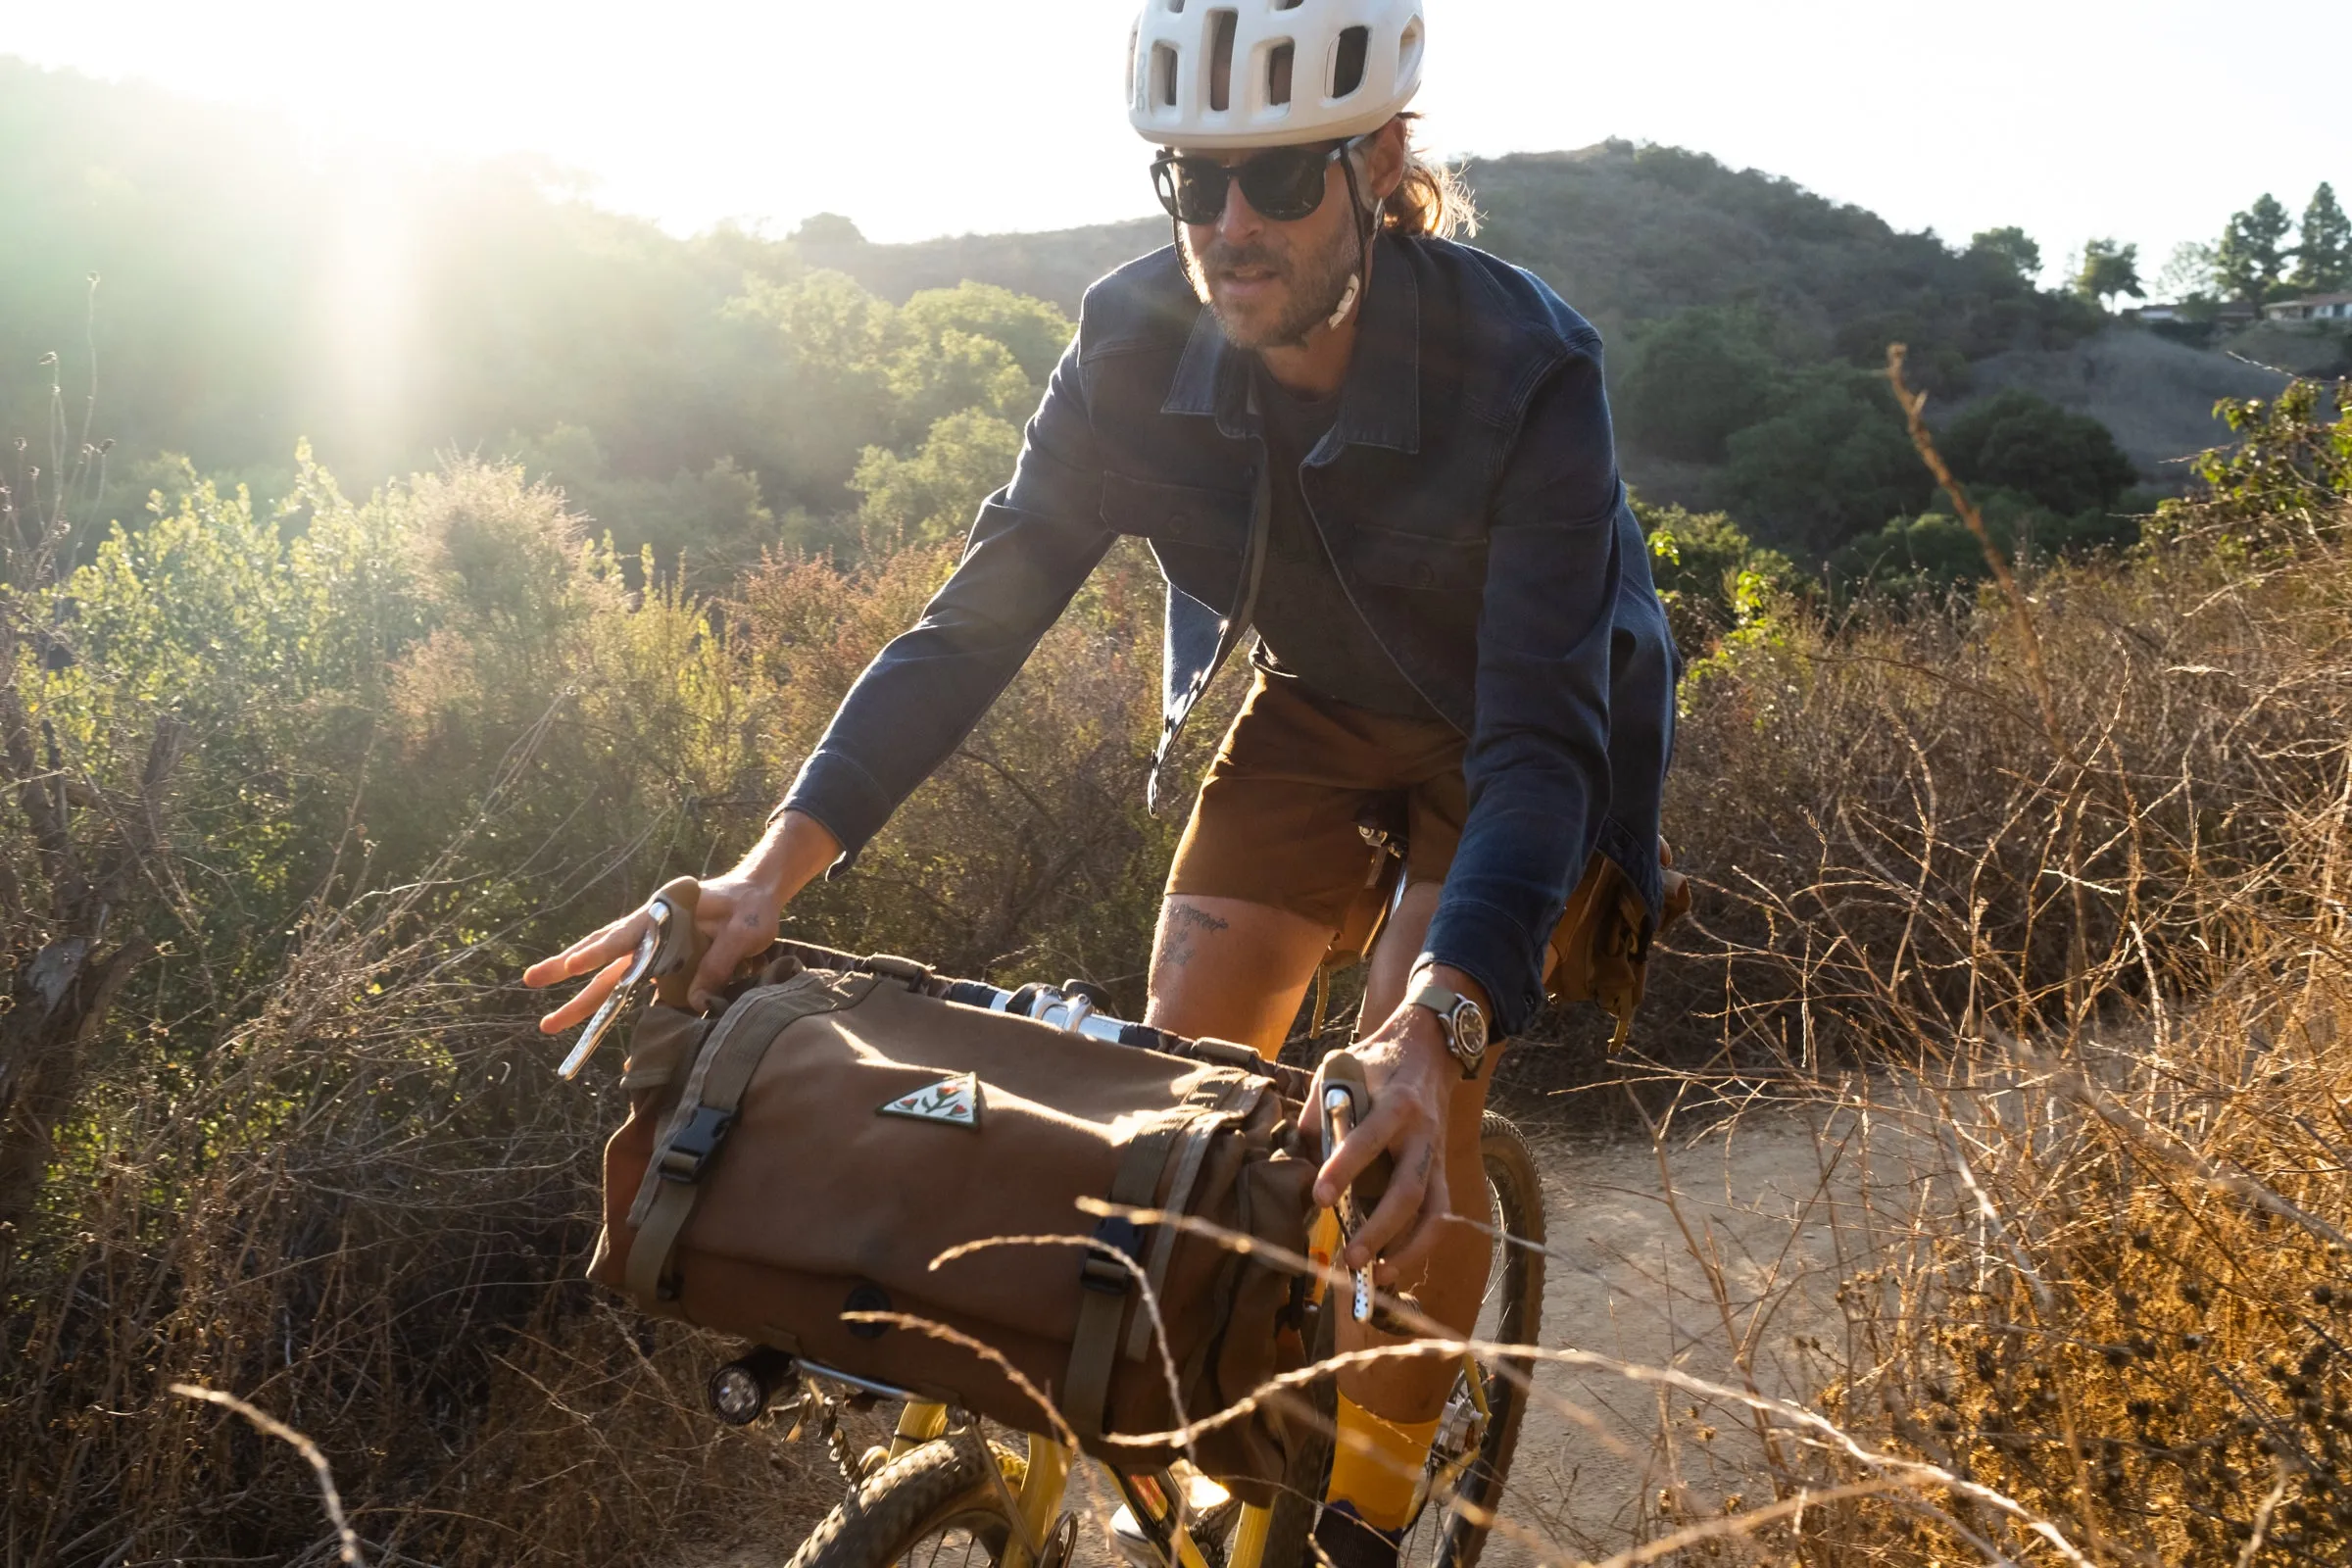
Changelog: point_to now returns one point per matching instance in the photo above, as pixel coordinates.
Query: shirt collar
(1380, 401)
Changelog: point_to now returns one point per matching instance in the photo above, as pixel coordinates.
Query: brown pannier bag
(838, 1143)
(1598, 953)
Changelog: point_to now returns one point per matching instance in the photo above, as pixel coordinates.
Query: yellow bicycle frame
(1045, 1479)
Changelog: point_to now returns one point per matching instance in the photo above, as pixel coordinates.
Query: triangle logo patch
(951, 1101)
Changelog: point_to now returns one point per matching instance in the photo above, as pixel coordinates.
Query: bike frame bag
(825, 1146)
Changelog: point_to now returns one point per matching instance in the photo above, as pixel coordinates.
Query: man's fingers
(596, 947)
(730, 944)
(1356, 1151)
(1436, 1210)
(1417, 1163)
(590, 996)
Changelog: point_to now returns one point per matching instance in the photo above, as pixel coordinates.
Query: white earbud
(1355, 279)
(1347, 302)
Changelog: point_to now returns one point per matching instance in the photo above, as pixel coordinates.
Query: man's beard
(1316, 285)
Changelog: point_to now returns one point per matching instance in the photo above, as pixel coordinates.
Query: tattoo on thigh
(1184, 924)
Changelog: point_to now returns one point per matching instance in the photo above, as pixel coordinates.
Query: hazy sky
(2150, 121)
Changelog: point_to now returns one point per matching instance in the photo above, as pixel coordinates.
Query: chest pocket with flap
(1177, 513)
(1397, 559)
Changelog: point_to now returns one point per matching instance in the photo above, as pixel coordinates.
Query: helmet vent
(1347, 61)
(1279, 61)
(1408, 52)
(1221, 26)
(1163, 75)
(1175, 7)
(1288, 5)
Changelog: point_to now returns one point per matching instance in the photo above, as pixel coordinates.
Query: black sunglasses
(1283, 183)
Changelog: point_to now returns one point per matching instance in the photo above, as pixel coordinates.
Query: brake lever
(649, 948)
(1338, 1120)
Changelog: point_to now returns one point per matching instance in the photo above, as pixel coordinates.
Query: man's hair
(1432, 201)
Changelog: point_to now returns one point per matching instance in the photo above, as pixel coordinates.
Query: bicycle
(944, 1486)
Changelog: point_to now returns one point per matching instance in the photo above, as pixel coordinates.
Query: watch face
(1470, 1030)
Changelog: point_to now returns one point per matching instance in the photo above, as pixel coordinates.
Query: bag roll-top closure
(706, 1111)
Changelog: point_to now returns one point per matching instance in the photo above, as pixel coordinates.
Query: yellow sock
(1378, 1484)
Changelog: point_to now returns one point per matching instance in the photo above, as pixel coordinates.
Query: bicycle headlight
(737, 1394)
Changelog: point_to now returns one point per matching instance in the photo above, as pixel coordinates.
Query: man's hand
(1413, 1078)
(736, 915)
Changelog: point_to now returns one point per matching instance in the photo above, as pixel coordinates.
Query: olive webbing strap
(1200, 1137)
(1105, 1290)
(1192, 1151)
(666, 1198)
(664, 1039)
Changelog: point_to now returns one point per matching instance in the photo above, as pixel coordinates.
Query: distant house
(2232, 312)
(2316, 308)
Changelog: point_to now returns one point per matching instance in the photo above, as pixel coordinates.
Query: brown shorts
(1281, 815)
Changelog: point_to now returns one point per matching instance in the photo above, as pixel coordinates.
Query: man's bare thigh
(1232, 969)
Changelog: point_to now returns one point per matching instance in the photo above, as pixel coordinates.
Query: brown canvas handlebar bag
(836, 1156)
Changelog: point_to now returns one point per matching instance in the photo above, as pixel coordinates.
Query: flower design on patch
(953, 1102)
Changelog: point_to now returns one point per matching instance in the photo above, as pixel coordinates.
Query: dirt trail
(1772, 1197)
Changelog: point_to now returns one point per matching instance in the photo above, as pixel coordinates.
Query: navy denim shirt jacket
(1468, 492)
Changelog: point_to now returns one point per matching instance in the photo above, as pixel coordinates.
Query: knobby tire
(917, 1505)
(1513, 1315)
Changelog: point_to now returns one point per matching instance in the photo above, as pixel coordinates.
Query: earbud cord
(1367, 224)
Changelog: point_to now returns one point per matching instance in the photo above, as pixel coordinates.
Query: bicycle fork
(1044, 1529)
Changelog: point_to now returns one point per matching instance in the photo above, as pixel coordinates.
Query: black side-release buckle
(1115, 1234)
(691, 1147)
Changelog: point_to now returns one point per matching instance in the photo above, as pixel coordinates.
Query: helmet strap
(1367, 224)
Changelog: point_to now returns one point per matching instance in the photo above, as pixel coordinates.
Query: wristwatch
(1464, 1023)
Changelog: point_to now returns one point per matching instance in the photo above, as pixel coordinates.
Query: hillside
(2156, 396)
(1626, 234)
(728, 392)
(1635, 235)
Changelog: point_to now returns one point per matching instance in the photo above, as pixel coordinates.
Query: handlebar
(1065, 1008)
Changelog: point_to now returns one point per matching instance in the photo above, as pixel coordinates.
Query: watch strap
(1446, 1004)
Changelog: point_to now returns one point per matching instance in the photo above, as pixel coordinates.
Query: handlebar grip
(1344, 1066)
(683, 944)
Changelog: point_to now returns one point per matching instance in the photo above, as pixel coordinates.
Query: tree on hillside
(827, 229)
(2248, 260)
(2016, 440)
(2109, 269)
(2189, 273)
(1832, 462)
(930, 498)
(1694, 378)
(2323, 249)
(2011, 245)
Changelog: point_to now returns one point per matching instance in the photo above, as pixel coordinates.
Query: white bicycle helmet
(1210, 75)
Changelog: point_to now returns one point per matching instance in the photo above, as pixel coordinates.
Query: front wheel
(933, 1506)
(1472, 1455)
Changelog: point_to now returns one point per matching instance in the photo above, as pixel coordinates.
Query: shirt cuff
(844, 797)
(1491, 948)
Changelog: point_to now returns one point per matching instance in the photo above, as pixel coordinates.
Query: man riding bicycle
(1388, 457)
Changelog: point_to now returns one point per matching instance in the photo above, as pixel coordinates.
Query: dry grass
(2072, 1016)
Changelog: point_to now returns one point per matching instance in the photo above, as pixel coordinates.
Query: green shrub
(1832, 462)
(2016, 440)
